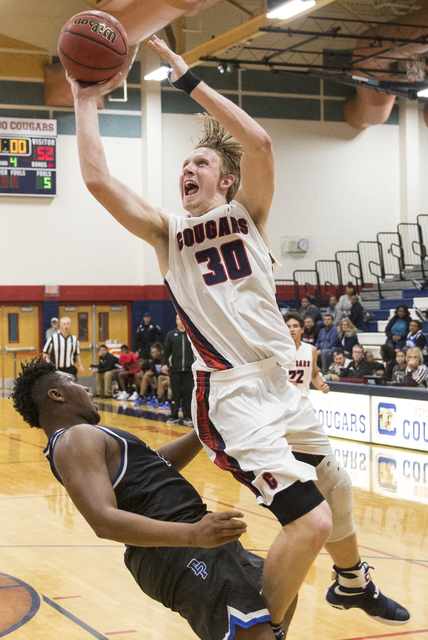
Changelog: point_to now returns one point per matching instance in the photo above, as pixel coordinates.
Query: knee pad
(336, 486)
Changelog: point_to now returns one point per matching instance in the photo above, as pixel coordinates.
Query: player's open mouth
(190, 188)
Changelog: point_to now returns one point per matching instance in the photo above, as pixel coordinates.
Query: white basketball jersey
(301, 371)
(222, 286)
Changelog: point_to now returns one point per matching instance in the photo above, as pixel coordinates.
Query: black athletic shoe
(279, 635)
(368, 598)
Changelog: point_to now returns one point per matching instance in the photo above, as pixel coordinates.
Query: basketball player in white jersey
(219, 271)
(305, 370)
(312, 445)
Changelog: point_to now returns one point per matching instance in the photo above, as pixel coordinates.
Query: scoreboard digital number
(28, 157)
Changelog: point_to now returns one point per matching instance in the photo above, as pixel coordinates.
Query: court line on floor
(61, 546)
(23, 461)
(39, 446)
(389, 635)
(74, 619)
(420, 563)
(255, 513)
(52, 495)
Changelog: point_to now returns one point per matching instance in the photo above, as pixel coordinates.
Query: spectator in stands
(311, 331)
(339, 363)
(385, 368)
(344, 304)
(177, 360)
(107, 372)
(327, 340)
(146, 335)
(130, 367)
(415, 337)
(333, 310)
(356, 313)
(54, 328)
(399, 371)
(359, 367)
(154, 378)
(309, 309)
(372, 362)
(398, 327)
(416, 372)
(347, 336)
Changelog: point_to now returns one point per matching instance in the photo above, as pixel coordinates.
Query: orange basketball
(93, 46)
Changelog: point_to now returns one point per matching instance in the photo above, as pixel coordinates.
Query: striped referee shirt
(62, 350)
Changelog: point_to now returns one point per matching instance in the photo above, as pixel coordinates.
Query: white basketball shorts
(249, 418)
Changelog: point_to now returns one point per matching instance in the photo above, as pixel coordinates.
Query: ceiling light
(220, 68)
(289, 9)
(423, 93)
(158, 74)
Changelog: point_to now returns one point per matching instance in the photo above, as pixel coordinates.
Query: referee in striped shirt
(63, 349)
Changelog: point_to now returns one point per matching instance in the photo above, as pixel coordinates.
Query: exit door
(94, 325)
(19, 339)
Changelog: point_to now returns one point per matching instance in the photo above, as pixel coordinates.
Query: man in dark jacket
(146, 335)
(177, 362)
(309, 309)
(359, 367)
(327, 341)
(107, 372)
(356, 313)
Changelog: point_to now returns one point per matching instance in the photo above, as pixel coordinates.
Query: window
(13, 327)
(82, 319)
(103, 330)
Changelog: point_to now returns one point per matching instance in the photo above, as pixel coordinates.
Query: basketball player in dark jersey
(129, 493)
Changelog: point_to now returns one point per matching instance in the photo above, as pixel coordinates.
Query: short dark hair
(327, 315)
(31, 387)
(418, 322)
(293, 315)
(124, 346)
(340, 351)
(103, 346)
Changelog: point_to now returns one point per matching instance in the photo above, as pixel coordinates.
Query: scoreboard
(28, 157)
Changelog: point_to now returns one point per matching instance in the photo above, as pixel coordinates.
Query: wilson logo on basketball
(98, 27)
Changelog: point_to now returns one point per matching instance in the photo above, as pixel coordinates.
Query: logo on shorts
(199, 568)
(386, 414)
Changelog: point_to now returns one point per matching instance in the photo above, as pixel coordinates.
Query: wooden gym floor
(58, 581)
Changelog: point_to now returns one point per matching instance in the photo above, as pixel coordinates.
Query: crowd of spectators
(155, 374)
(336, 331)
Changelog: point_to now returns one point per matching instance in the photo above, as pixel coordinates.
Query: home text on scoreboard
(28, 157)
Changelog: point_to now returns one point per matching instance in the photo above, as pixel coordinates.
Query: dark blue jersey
(146, 483)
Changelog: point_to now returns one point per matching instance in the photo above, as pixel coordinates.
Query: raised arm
(129, 208)
(80, 459)
(257, 164)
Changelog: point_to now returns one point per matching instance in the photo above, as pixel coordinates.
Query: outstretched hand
(86, 90)
(216, 529)
(178, 66)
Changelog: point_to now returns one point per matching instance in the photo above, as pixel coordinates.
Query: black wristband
(186, 83)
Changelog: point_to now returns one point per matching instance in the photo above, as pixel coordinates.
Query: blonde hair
(229, 150)
(352, 328)
(415, 351)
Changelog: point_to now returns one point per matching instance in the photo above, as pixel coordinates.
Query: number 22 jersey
(222, 285)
